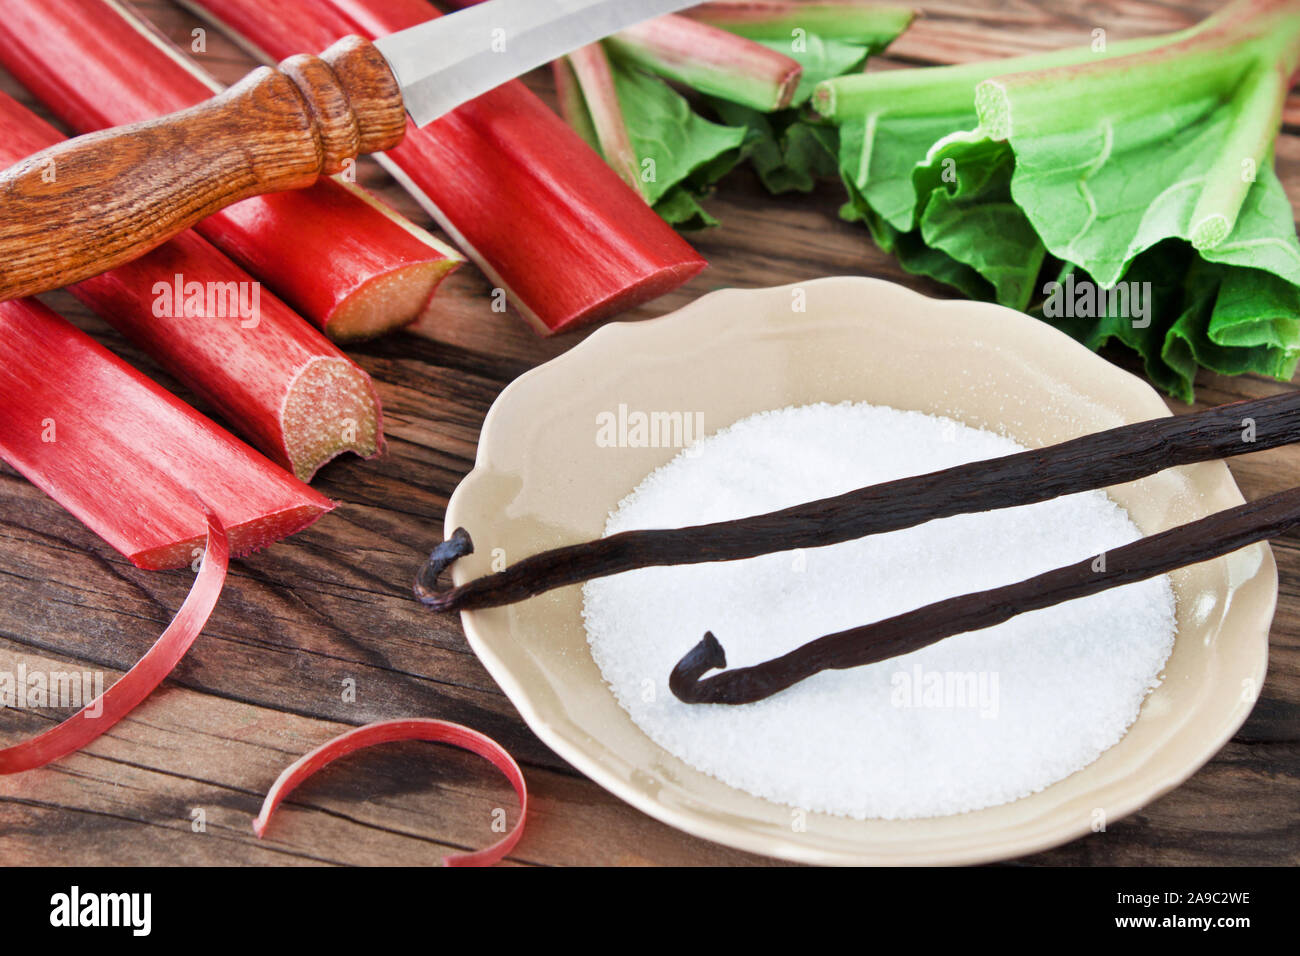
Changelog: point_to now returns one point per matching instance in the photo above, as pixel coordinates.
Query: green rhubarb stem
(1247, 145)
(595, 82)
(855, 21)
(1211, 57)
(710, 60)
(1247, 51)
(940, 89)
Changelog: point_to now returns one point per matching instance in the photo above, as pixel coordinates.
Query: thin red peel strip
(140, 681)
(391, 731)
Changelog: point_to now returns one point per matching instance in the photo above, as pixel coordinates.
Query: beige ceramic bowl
(542, 480)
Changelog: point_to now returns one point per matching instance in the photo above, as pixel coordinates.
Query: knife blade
(448, 61)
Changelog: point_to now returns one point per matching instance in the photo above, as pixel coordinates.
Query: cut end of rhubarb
(786, 89)
(132, 461)
(388, 302)
(397, 297)
(245, 537)
(994, 109)
(332, 408)
(1211, 231)
(823, 99)
(650, 287)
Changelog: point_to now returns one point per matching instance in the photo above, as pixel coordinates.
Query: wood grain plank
(264, 682)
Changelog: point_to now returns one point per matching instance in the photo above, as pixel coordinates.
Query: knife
(94, 202)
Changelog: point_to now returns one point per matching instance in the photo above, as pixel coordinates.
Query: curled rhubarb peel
(139, 682)
(391, 731)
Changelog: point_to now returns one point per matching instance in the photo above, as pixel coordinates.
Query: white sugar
(974, 721)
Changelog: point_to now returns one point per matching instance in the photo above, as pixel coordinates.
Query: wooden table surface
(181, 779)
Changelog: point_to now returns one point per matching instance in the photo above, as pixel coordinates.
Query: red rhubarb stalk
(711, 60)
(595, 82)
(285, 387)
(346, 262)
(128, 458)
(139, 682)
(541, 213)
(572, 102)
(391, 731)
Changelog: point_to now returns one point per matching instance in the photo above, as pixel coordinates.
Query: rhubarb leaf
(1214, 301)
(684, 154)
(872, 26)
(918, 258)
(669, 137)
(1158, 278)
(1255, 308)
(1264, 235)
(970, 234)
(681, 209)
(1101, 188)
(912, 252)
(787, 151)
(879, 155)
(1225, 319)
(903, 113)
(970, 214)
(1146, 168)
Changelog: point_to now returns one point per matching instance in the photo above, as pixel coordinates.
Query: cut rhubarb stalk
(391, 731)
(286, 388)
(596, 85)
(541, 213)
(126, 457)
(856, 21)
(350, 271)
(710, 60)
(341, 259)
(140, 681)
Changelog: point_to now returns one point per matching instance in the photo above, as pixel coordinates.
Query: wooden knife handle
(94, 202)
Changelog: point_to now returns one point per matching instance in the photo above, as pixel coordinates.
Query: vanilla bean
(1190, 543)
(1089, 462)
